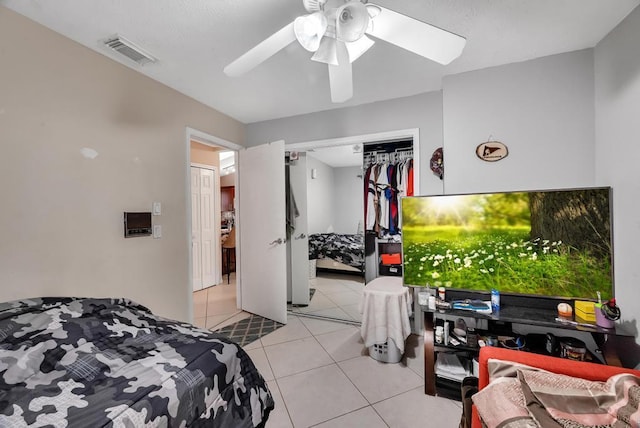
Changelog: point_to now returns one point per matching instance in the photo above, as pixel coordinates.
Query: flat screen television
(555, 243)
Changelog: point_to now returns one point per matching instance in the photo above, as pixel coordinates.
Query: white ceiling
(195, 39)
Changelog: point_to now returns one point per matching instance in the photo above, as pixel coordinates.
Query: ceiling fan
(336, 31)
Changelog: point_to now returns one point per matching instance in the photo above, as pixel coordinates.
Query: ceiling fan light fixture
(309, 30)
(373, 10)
(313, 5)
(357, 48)
(327, 52)
(352, 20)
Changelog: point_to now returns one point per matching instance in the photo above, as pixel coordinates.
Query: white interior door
(299, 237)
(196, 253)
(204, 233)
(261, 214)
(207, 229)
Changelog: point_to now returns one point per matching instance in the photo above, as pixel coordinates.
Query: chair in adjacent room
(228, 249)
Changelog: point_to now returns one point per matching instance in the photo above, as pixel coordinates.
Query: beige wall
(228, 180)
(205, 155)
(61, 230)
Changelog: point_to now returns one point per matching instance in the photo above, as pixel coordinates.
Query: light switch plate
(157, 231)
(157, 208)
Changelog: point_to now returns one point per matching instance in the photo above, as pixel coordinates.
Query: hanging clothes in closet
(387, 178)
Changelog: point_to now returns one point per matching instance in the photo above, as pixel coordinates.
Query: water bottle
(495, 300)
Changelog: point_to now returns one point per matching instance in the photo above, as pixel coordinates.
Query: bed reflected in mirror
(334, 221)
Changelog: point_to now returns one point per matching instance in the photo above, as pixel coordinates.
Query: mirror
(334, 214)
(334, 201)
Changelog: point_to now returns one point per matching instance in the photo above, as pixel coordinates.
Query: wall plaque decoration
(437, 163)
(492, 151)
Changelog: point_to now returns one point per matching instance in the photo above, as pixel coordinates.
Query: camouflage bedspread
(75, 362)
(347, 249)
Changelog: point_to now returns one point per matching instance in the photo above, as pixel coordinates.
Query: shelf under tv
(519, 311)
(531, 310)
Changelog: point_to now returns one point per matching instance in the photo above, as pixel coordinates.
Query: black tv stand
(516, 313)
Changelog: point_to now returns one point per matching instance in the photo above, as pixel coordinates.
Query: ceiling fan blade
(262, 51)
(340, 76)
(416, 36)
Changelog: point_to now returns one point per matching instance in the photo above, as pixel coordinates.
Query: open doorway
(214, 271)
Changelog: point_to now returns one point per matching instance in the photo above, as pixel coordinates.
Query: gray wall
(334, 198)
(348, 199)
(562, 129)
(541, 109)
(319, 197)
(617, 103)
(422, 111)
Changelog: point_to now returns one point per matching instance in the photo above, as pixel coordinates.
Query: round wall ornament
(492, 151)
(437, 163)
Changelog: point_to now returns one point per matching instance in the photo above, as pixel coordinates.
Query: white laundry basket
(386, 352)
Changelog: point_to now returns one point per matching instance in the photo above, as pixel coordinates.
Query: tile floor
(337, 296)
(215, 305)
(321, 375)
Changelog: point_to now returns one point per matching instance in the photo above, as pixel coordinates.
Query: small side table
(386, 306)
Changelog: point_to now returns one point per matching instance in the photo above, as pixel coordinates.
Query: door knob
(278, 241)
(301, 236)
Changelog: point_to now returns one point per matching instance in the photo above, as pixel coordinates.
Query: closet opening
(388, 177)
(350, 242)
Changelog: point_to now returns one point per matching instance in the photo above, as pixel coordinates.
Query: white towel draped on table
(386, 307)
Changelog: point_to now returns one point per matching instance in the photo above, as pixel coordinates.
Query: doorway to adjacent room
(212, 194)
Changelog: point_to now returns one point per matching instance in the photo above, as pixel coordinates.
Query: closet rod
(401, 155)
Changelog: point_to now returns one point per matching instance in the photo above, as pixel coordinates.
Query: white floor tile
(200, 309)
(343, 344)
(294, 357)
(353, 311)
(200, 303)
(253, 345)
(293, 330)
(336, 312)
(200, 322)
(351, 280)
(347, 297)
(317, 326)
(261, 362)
(311, 389)
(200, 296)
(328, 286)
(226, 319)
(318, 303)
(413, 408)
(366, 417)
(223, 305)
(357, 286)
(216, 321)
(279, 417)
(378, 381)
(414, 354)
(319, 395)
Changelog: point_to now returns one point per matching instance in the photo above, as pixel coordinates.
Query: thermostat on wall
(137, 224)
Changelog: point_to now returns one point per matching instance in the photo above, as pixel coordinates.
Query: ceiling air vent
(128, 49)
